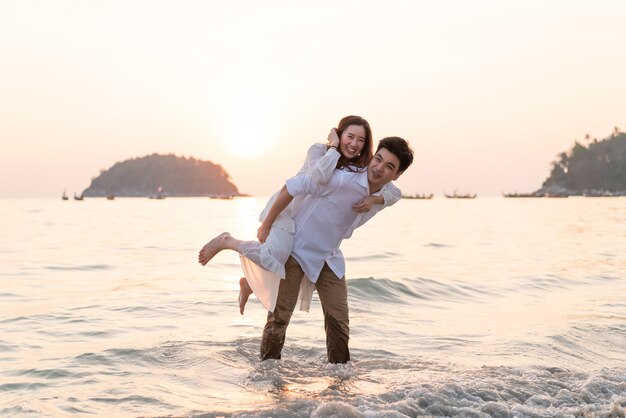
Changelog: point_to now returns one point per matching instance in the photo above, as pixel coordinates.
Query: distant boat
(158, 195)
(78, 197)
(418, 196)
(64, 197)
(456, 195)
(522, 195)
(110, 196)
(600, 193)
(221, 196)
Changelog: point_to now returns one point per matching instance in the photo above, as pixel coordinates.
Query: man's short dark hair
(398, 147)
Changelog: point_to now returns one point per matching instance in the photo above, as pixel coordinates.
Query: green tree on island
(173, 175)
(599, 166)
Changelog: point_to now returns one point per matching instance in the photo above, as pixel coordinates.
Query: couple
(339, 188)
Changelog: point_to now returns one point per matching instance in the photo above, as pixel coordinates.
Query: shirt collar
(361, 177)
(362, 180)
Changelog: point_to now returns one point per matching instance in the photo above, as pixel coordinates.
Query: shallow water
(486, 307)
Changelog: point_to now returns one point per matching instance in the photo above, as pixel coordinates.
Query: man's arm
(298, 185)
(282, 201)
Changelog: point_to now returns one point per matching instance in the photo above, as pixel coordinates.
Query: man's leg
(276, 326)
(333, 294)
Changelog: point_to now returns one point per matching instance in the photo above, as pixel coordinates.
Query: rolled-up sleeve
(366, 216)
(301, 184)
(321, 162)
(391, 194)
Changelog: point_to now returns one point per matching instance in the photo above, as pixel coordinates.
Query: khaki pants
(333, 294)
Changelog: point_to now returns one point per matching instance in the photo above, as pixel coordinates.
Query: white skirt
(264, 264)
(265, 284)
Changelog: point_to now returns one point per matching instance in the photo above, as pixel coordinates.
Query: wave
(211, 378)
(382, 290)
(410, 290)
(385, 385)
(407, 291)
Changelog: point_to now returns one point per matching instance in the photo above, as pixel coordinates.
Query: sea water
(489, 307)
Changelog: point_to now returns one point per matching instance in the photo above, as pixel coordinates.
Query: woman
(263, 262)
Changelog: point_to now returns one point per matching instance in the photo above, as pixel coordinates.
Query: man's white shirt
(326, 217)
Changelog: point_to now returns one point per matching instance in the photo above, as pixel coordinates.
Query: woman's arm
(282, 201)
(389, 195)
(321, 159)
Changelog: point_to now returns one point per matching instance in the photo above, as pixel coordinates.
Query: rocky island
(167, 175)
(597, 169)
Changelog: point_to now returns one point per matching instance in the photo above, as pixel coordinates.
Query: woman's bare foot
(244, 293)
(212, 247)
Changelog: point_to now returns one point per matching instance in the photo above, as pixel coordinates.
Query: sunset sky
(486, 92)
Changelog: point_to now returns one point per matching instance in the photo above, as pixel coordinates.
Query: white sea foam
(486, 392)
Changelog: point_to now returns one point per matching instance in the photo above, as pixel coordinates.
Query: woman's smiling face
(352, 141)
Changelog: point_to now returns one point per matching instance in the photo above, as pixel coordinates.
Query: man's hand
(333, 138)
(263, 232)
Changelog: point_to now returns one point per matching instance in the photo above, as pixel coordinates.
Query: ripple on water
(383, 255)
(19, 411)
(22, 386)
(87, 267)
(92, 359)
(139, 400)
(546, 284)
(8, 347)
(438, 245)
(49, 374)
(170, 355)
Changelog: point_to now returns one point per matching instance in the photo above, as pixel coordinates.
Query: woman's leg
(244, 293)
(259, 279)
(264, 283)
(223, 241)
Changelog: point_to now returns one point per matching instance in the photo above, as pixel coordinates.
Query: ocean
(489, 307)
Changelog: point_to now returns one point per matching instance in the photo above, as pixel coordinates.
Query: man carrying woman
(332, 194)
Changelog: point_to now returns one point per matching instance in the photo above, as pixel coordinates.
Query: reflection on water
(499, 307)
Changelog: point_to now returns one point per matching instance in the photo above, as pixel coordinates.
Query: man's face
(383, 168)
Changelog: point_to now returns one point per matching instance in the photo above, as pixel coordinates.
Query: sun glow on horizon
(246, 125)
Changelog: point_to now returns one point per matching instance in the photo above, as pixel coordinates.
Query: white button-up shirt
(325, 217)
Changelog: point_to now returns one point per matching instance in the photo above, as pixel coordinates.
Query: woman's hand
(333, 138)
(263, 232)
(365, 205)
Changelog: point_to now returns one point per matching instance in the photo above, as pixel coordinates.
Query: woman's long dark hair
(362, 160)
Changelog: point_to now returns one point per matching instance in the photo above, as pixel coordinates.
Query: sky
(486, 92)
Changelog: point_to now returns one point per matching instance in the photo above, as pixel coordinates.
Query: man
(322, 221)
